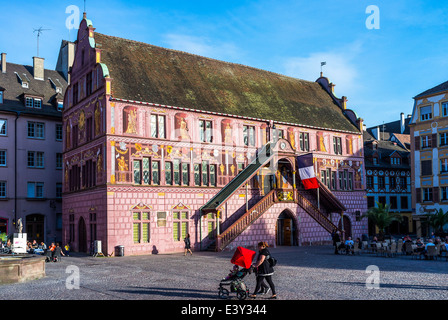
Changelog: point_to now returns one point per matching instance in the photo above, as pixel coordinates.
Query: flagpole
(318, 200)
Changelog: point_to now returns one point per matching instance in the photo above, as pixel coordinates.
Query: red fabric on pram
(243, 257)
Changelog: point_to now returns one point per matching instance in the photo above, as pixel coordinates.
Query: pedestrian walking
(187, 245)
(264, 270)
(336, 239)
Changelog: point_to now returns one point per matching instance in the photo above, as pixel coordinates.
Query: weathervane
(39, 31)
(321, 65)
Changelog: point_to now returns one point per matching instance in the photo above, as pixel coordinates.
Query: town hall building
(160, 143)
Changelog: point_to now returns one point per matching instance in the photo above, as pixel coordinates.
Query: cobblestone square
(303, 273)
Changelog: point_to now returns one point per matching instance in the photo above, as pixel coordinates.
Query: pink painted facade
(137, 173)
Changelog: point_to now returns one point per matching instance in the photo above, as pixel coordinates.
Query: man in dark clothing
(336, 239)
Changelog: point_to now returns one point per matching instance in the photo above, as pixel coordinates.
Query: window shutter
(417, 143)
(435, 194)
(434, 140)
(418, 195)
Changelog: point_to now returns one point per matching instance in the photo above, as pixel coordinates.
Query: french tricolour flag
(306, 171)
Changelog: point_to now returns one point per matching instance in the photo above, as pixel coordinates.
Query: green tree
(381, 217)
(438, 220)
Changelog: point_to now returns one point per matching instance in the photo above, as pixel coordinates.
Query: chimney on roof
(65, 58)
(3, 62)
(402, 122)
(38, 68)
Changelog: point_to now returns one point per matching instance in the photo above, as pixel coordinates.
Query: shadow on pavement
(170, 292)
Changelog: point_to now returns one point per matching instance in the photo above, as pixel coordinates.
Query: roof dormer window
(31, 102)
(425, 113)
(24, 83)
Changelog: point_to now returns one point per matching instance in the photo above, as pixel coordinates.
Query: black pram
(234, 283)
(242, 258)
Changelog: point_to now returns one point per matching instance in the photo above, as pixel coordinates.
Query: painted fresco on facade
(156, 165)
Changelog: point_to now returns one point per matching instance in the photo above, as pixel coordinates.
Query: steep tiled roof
(13, 99)
(439, 88)
(144, 72)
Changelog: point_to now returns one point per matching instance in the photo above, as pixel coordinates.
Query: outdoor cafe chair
(393, 249)
(400, 247)
(431, 252)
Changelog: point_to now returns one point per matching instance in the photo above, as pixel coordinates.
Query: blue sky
(379, 70)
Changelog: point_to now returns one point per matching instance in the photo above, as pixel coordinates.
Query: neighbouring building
(387, 153)
(429, 142)
(160, 143)
(31, 103)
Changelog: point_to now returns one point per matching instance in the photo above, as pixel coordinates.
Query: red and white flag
(306, 171)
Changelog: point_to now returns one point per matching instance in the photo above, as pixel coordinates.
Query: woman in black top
(263, 270)
(187, 245)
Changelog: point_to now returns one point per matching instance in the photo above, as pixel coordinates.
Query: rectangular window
(205, 131)
(2, 158)
(37, 103)
(249, 135)
(158, 126)
(35, 159)
(426, 166)
(1, 96)
(168, 173)
(145, 170)
(341, 180)
(404, 202)
(443, 139)
(204, 171)
(3, 127)
(161, 219)
(75, 93)
(89, 128)
(185, 174)
(2, 189)
(141, 227)
(445, 109)
(337, 145)
(155, 173)
(176, 172)
(136, 232)
(369, 182)
(213, 175)
(29, 102)
(304, 141)
(427, 194)
(58, 190)
(333, 180)
(58, 132)
(35, 190)
(392, 183)
(381, 183)
(58, 160)
(426, 142)
(137, 172)
(350, 181)
(197, 174)
(180, 225)
(444, 193)
(36, 130)
(370, 202)
(444, 165)
(393, 203)
(425, 113)
(403, 183)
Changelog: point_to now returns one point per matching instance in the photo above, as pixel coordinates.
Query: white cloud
(340, 67)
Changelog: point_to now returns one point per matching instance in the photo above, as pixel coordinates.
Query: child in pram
(235, 282)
